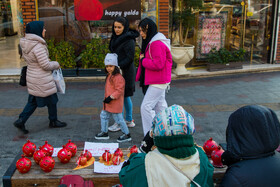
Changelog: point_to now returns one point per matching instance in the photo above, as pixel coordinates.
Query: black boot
(20, 125)
(57, 124)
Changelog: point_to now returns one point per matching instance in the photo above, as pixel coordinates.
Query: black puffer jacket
(253, 135)
(124, 46)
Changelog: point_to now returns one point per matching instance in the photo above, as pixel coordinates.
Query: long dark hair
(116, 71)
(150, 28)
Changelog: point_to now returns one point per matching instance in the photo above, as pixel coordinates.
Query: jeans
(31, 106)
(153, 102)
(118, 117)
(128, 108)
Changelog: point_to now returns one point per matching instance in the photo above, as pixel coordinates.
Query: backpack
(75, 180)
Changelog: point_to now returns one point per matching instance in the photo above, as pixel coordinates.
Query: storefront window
(61, 22)
(11, 29)
(232, 24)
(149, 9)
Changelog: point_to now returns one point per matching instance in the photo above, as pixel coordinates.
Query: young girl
(113, 99)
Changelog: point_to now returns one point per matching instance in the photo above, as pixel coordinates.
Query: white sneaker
(130, 123)
(114, 128)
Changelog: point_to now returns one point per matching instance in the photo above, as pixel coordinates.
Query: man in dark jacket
(252, 135)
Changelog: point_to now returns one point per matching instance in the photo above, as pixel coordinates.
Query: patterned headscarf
(173, 120)
(172, 132)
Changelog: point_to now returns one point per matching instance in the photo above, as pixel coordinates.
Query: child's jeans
(118, 117)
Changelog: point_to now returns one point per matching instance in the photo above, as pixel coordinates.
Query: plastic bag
(59, 81)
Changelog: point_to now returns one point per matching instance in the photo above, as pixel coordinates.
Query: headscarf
(151, 32)
(114, 37)
(172, 132)
(35, 27)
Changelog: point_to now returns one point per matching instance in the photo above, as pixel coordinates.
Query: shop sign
(90, 10)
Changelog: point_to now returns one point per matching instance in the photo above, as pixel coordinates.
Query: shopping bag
(59, 81)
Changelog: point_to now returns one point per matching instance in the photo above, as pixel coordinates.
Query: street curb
(193, 74)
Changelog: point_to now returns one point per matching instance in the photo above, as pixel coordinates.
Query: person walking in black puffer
(123, 44)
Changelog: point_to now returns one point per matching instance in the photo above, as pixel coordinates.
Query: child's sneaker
(124, 138)
(114, 128)
(102, 136)
(130, 123)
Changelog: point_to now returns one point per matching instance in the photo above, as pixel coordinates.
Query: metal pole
(276, 33)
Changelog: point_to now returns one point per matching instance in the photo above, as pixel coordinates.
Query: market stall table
(37, 177)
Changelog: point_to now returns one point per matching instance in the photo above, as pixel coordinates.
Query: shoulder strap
(156, 151)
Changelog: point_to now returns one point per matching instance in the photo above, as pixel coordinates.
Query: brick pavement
(209, 100)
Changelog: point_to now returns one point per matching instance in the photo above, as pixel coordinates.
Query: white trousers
(153, 102)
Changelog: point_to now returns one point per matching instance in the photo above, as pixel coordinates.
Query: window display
(233, 25)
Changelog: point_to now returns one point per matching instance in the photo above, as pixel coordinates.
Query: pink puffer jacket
(157, 61)
(39, 77)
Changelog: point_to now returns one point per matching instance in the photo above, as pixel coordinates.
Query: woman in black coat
(252, 135)
(123, 44)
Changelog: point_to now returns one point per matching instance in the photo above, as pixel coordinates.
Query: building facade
(233, 24)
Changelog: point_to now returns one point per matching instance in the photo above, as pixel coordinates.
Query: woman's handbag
(22, 80)
(59, 81)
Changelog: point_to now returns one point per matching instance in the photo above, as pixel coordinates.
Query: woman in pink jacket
(40, 83)
(154, 71)
(113, 100)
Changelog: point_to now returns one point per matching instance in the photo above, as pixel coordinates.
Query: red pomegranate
(48, 148)
(216, 157)
(134, 149)
(209, 146)
(64, 155)
(116, 160)
(118, 152)
(82, 160)
(88, 154)
(71, 147)
(28, 148)
(39, 154)
(23, 164)
(106, 155)
(47, 164)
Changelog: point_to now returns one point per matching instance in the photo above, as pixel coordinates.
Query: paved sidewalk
(210, 100)
(12, 75)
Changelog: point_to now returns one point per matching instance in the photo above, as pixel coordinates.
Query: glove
(108, 99)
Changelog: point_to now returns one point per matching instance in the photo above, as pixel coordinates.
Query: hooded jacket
(253, 135)
(124, 47)
(157, 61)
(39, 77)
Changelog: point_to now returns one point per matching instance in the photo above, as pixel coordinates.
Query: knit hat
(111, 59)
(172, 132)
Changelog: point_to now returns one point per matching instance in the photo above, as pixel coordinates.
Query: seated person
(176, 160)
(252, 135)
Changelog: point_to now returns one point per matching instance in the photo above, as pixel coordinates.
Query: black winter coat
(253, 135)
(124, 47)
